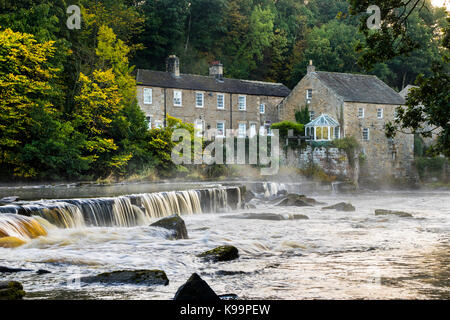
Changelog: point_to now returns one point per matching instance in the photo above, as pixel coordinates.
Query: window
(360, 112)
(199, 100)
(262, 131)
(199, 128)
(242, 103)
(148, 119)
(380, 113)
(309, 95)
(148, 96)
(242, 130)
(220, 129)
(312, 115)
(177, 98)
(366, 134)
(252, 130)
(262, 108)
(220, 101)
(158, 124)
(337, 132)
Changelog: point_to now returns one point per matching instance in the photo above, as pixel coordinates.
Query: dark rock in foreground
(268, 216)
(342, 206)
(222, 253)
(381, 212)
(140, 277)
(12, 270)
(175, 224)
(42, 271)
(11, 290)
(196, 289)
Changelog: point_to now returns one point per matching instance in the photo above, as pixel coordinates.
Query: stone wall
(332, 160)
(210, 114)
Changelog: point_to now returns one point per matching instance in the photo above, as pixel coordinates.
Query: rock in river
(381, 212)
(295, 200)
(175, 224)
(11, 290)
(8, 200)
(140, 277)
(196, 289)
(342, 206)
(222, 253)
(268, 216)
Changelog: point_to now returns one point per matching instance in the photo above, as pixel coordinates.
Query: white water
(337, 255)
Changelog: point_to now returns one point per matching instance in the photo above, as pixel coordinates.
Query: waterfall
(20, 227)
(272, 188)
(125, 211)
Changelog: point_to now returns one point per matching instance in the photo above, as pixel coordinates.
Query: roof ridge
(352, 74)
(202, 76)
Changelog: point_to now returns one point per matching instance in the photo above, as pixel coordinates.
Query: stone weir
(123, 211)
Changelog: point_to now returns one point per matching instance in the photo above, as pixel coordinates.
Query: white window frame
(147, 95)
(217, 129)
(149, 120)
(309, 94)
(262, 108)
(197, 94)
(175, 98)
(262, 131)
(199, 127)
(253, 130)
(242, 133)
(361, 113)
(223, 101)
(312, 115)
(380, 113)
(242, 106)
(158, 124)
(368, 134)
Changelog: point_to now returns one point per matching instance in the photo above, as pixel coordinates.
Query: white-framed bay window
(178, 98)
(148, 95)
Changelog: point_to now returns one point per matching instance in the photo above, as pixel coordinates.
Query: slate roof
(360, 88)
(205, 83)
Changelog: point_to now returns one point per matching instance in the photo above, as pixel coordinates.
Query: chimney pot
(311, 68)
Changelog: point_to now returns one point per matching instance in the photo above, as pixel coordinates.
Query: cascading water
(21, 220)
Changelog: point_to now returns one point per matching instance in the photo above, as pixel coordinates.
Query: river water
(333, 255)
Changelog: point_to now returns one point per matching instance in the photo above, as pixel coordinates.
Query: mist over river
(333, 255)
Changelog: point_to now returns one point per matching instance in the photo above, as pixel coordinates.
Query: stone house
(361, 105)
(208, 102)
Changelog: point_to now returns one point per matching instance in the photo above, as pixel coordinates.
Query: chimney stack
(173, 65)
(216, 70)
(311, 68)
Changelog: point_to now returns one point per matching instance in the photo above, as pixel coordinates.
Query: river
(332, 255)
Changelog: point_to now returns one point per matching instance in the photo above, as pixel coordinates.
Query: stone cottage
(359, 106)
(208, 102)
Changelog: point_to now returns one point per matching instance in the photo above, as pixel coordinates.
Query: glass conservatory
(323, 128)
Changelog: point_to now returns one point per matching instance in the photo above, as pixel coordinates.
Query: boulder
(249, 195)
(268, 216)
(196, 289)
(11, 290)
(342, 206)
(8, 200)
(295, 200)
(382, 212)
(139, 277)
(175, 224)
(12, 270)
(222, 253)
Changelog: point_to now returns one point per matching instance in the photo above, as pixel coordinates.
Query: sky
(440, 3)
